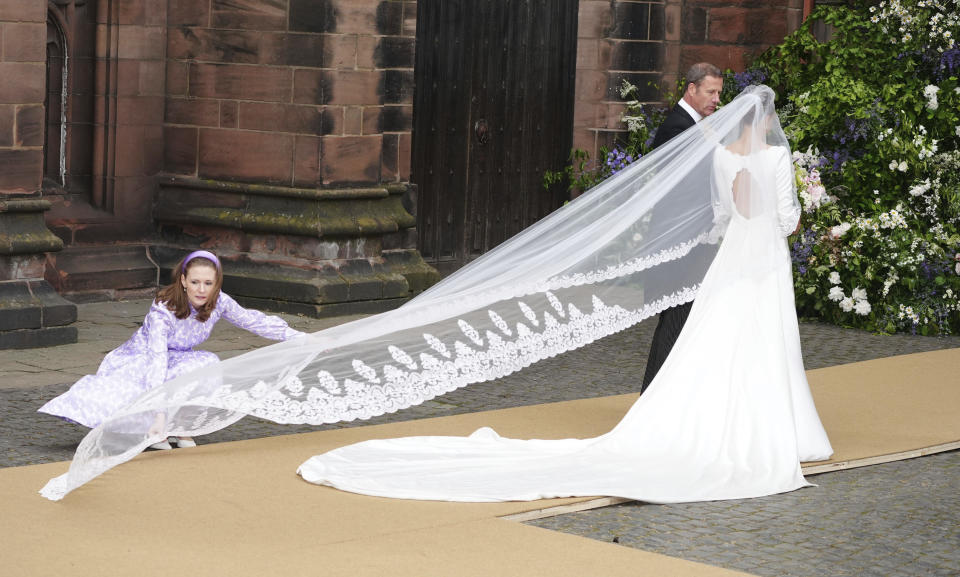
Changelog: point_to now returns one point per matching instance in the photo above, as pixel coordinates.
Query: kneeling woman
(180, 318)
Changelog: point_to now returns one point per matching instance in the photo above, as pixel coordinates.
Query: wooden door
(493, 110)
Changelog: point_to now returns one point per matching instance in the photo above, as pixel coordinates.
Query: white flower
(893, 165)
(846, 305)
(957, 130)
(862, 308)
(834, 278)
(859, 294)
(839, 230)
(902, 167)
(920, 188)
(836, 294)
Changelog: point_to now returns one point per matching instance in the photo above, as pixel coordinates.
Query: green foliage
(876, 112)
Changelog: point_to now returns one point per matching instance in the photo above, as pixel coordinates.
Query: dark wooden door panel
(493, 110)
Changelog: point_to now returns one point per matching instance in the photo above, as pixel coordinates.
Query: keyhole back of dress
(741, 192)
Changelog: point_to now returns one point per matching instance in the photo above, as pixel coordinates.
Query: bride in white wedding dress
(728, 416)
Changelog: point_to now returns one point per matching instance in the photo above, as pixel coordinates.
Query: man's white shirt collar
(693, 113)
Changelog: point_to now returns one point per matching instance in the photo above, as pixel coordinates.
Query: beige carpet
(239, 509)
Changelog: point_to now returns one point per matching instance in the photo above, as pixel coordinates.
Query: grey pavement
(892, 519)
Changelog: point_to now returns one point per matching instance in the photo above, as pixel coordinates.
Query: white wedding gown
(728, 416)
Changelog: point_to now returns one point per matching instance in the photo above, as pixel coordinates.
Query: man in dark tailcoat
(704, 82)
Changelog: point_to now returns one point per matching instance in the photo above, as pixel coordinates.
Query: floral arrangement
(877, 112)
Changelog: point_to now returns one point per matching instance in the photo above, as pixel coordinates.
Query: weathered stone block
(733, 57)
(130, 141)
(304, 50)
(18, 308)
(306, 167)
(7, 116)
(176, 78)
(229, 114)
(187, 13)
(180, 149)
(141, 42)
(747, 25)
(240, 82)
(249, 14)
(359, 307)
(389, 157)
(389, 18)
(23, 11)
(590, 85)
(355, 16)
(394, 52)
(408, 262)
(351, 159)
(403, 169)
(249, 156)
(397, 118)
(312, 16)
(23, 170)
(372, 120)
(16, 267)
(36, 338)
(80, 269)
(24, 42)
(637, 56)
(398, 86)
(341, 51)
(311, 86)
(140, 110)
(57, 311)
(192, 111)
(213, 45)
(594, 19)
(271, 117)
(352, 120)
(151, 78)
(694, 28)
(658, 22)
(366, 51)
(356, 87)
(23, 82)
(409, 19)
(631, 21)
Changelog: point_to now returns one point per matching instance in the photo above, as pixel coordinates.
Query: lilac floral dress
(160, 350)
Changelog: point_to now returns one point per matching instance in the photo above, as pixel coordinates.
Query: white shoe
(185, 442)
(161, 446)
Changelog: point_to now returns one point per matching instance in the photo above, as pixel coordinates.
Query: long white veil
(634, 245)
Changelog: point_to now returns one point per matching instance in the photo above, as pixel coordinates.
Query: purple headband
(201, 254)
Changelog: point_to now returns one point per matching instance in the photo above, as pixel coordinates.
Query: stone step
(88, 271)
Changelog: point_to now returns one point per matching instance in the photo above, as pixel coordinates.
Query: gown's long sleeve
(267, 326)
(156, 330)
(788, 207)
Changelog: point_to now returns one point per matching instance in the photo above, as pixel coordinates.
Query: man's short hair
(701, 70)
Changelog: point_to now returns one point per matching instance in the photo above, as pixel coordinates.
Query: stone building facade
(275, 132)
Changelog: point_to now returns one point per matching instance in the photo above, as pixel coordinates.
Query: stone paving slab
(898, 518)
(892, 519)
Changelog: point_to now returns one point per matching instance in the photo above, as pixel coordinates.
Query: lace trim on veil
(409, 383)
